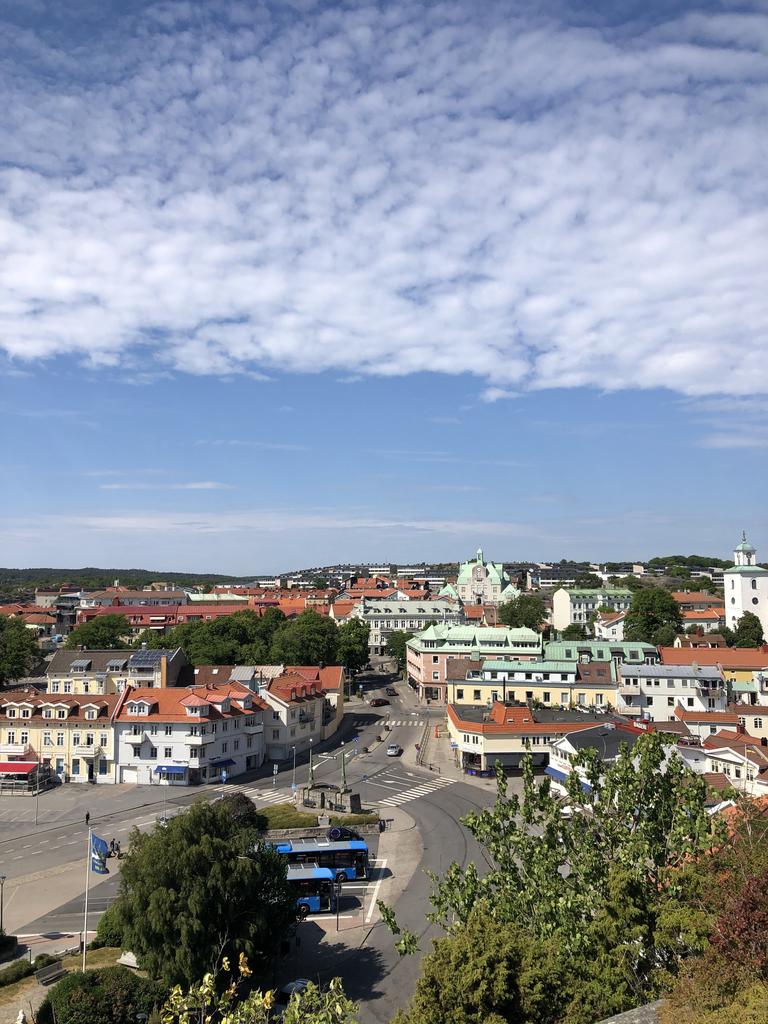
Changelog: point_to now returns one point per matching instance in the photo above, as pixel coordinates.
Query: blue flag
(99, 850)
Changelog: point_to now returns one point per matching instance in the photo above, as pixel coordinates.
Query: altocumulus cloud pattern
(518, 191)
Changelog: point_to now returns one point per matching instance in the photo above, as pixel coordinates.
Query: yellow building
(102, 672)
(73, 734)
(551, 683)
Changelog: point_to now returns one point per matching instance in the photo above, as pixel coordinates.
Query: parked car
(342, 834)
(283, 996)
(394, 750)
(379, 702)
(391, 691)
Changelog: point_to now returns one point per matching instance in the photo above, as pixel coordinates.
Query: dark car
(341, 834)
(379, 702)
(391, 691)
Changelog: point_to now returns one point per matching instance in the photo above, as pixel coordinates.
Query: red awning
(17, 767)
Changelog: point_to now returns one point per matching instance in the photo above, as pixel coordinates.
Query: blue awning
(222, 764)
(561, 777)
(171, 769)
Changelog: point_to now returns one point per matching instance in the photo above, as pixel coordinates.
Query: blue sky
(292, 283)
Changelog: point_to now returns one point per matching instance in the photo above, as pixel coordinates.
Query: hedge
(23, 969)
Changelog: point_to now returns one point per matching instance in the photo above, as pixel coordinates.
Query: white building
(655, 691)
(387, 615)
(609, 625)
(577, 606)
(188, 735)
(746, 587)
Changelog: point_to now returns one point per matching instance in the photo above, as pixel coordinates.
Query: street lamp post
(343, 769)
(2, 886)
(293, 774)
(311, 780)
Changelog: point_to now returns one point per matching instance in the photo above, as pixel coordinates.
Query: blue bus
(314, 888)
(347, 860)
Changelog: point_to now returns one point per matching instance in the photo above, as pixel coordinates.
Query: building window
(67, 687)
(275, 734)
(476, 695)
(435, 675)
(236, 745)
(670, 702)
(59, 739)
(168, 730)
(712, 730)
(689, 701)
(546, 697)
(75, 765)
(758, 723)
(459, 695)
(152, 753)
(168, 752)
(102, 767)
(563, 698)
(103, 740)
(754, 584)
(153, 730)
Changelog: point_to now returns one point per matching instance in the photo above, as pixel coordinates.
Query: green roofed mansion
(481, 582)
(430, 652)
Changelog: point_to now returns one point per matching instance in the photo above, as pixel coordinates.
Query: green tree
(595, 883)
(110, 995)
(489, 971)
(397, 647)
(574, 632)
(589, 581)
(204, 1002)
(18, 649)
(352, 651)
(104, 633)
(526, 610)
(749, 631)
(203, 888)
(653, 618)
(309, 639)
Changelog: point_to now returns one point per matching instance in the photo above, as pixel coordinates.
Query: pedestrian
(111, 847)
(87, 819)
(117, 849)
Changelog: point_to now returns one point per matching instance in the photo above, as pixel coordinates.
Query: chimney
(741, 729)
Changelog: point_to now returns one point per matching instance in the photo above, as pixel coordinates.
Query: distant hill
(15, 581)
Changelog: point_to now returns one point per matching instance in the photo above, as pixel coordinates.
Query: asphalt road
(373, 974)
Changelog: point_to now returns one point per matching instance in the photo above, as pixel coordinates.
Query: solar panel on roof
(146, 659)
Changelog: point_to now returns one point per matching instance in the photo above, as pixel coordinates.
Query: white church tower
(746, 587)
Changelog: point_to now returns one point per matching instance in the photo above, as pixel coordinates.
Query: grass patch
(354, 819)
(287, 816)
(18, 993)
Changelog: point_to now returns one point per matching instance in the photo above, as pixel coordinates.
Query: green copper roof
(610, 592)
(746, 570)
(530, 666)
(599, 650)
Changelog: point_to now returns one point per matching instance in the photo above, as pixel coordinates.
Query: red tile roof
(168, 705)
(735, 658)
(710, 614)
(713, 717)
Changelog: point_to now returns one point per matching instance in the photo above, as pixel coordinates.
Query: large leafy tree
(397, 646)
(749, 631)
(203, 888)
(352, 650)
(104, 633)
(525, 610)
(309, 639)
(653, 618)
(601, 884)
(243, 638)
(18, 649)
(589, 581)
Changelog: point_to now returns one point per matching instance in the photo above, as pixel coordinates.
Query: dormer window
(91, 714)
(137, 709)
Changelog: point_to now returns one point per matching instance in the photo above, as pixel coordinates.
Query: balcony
(629, 688)
(15, 749)
(253, 728)
(87, 750)
(195, 741)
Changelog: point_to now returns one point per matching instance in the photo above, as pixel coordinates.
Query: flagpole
(87, 880)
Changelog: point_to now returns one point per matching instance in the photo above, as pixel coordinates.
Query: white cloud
(193, 485)
(496, 394)
(390, 191)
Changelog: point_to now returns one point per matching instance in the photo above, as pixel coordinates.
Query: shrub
(110, 995)
(109, 931)
(7, 945)
(15, 972)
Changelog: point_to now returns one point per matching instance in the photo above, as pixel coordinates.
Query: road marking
(369, 915)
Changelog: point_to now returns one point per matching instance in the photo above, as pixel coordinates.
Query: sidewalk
(438, 756)
(318, 948)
